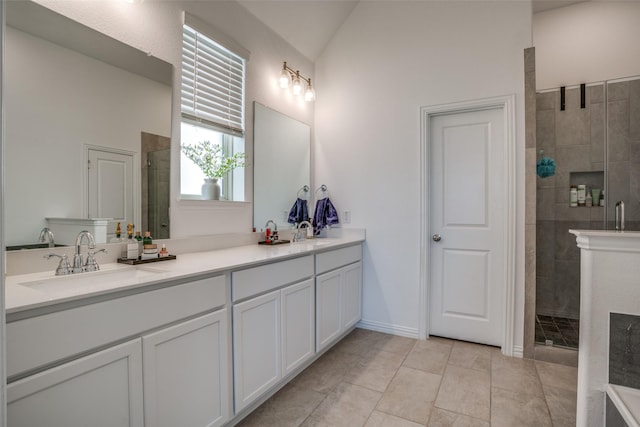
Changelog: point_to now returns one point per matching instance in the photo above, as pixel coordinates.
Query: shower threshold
(557, 331)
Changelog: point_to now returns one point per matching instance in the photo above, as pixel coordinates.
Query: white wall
(587, 42)
(389, 59)
(156, 27)
(58, 100)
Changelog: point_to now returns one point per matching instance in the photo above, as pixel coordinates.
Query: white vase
(211, 189)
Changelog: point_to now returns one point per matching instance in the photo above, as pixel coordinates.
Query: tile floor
(377, 380)
(562, 331)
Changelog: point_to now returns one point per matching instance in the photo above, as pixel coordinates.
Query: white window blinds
(212, 83)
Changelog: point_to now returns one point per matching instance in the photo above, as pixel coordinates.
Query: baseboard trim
(518, 351)
(387, 328)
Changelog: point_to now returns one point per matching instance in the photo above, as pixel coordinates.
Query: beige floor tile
(360, 342)
(468, 355)
(430, 355)
(509, 409)
(442, 418)
(380, 419)
(411, 395)
(552, 374)
(562, 406)
(374, 371)
(327, 372)
(287, 408)
(465, 391)
(396, 344)
(347, 406)
(514, 374)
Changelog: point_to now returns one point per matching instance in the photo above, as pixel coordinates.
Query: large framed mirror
(85, 116)
(282, 165)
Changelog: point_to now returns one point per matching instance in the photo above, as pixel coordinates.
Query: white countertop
(36, 290)
(627, 400)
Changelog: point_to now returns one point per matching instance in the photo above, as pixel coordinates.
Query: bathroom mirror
(282, 165)
(70, 90)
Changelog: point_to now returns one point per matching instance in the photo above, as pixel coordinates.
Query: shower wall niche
(598, 146)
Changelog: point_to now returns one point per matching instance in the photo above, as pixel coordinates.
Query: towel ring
(305, 193)
(323, 189)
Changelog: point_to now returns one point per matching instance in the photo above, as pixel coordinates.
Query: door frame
(507, 104)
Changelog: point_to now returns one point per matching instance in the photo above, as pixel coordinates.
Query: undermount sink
(93, 281)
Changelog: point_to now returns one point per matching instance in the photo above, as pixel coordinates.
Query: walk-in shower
(595, 143)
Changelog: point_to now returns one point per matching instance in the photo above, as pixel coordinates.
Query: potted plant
(214, 165)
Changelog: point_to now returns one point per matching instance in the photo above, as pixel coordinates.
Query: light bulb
(297, 85)
(310, 93)
(284, 78)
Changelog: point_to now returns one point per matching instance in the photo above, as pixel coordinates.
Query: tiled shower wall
(574, 138)
(623, 103)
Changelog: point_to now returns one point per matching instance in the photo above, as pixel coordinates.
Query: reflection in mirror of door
(57, 101)
(281, 167)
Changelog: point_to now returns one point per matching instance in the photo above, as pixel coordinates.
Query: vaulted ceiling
(309, 25)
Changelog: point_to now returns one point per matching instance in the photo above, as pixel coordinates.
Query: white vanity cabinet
(102, 389)
(338, 293)
(186, 373)
(273, 325)
(173, 372)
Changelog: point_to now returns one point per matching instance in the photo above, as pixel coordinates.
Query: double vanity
(200, 340)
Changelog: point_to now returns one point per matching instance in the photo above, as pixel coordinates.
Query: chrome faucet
(620, 216)
(77, 258)
(46, 234)
(302, 234)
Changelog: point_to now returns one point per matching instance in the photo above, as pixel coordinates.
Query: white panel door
(102, 389)
(298, 325)
(111, 187)
(256, 347)
(186, 373)
(467, 214)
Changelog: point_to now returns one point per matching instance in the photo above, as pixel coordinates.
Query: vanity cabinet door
(351, 295)
(102, 389)
(187, 374)
(256, 347)
(338, 303)
(298, 325)
(328, 308)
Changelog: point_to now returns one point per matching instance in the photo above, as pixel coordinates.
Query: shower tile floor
(563, 332)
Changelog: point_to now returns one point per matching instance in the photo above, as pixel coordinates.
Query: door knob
(436, 237)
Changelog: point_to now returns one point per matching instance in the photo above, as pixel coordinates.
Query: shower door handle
(436, 237)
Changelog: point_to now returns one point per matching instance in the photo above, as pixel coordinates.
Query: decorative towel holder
(303, 193)
(324, 194)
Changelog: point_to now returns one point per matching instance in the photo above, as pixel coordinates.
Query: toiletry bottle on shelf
(147, 240)
(139, 240)
(602, 199)
(132, 245)
(573, 196)
(163, 251)
(118, 237)
(589, 200)
(582, 194)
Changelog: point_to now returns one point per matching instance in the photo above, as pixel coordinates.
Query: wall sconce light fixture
(290, 77)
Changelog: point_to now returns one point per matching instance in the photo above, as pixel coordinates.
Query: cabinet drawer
(43, 340)
(258, 280)
(331, 260)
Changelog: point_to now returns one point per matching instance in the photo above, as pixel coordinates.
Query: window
(212, 106)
